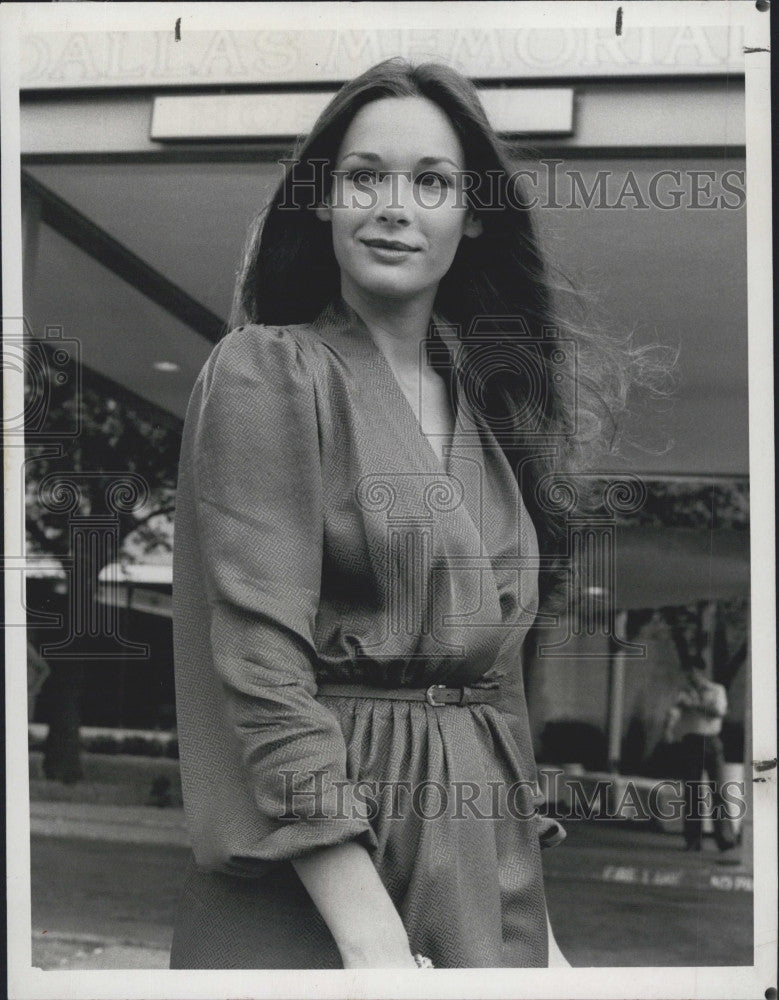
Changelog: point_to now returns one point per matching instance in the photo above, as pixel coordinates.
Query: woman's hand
(379, 955)
(381, 943)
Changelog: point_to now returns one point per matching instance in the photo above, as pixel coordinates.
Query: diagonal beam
(80, 230)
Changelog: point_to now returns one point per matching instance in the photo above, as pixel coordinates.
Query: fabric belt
(436, 695)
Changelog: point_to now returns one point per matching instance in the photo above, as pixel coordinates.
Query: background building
(146, 156)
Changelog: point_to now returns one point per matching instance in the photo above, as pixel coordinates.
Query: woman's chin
(391, 289)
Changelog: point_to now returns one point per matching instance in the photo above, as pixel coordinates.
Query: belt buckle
(429, 695)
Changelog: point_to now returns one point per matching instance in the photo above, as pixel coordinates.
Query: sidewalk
(54, 949)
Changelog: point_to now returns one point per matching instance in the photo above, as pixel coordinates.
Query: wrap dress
(320, 539)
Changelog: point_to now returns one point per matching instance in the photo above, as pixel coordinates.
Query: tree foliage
(104, 460)
(94, 433)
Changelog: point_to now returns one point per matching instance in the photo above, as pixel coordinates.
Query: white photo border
(725, 982)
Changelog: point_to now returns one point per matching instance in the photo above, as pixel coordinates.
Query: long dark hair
(548, 404)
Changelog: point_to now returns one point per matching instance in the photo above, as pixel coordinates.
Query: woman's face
(397, 208)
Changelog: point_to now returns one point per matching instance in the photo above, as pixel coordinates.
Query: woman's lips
(390, 245)
(390, 251)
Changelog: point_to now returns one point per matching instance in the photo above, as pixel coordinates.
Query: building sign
(511, 110)
(84, 59)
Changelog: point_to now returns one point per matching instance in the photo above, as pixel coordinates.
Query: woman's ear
(473, 224)
(323, 212)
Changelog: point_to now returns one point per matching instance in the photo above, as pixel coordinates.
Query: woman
(355, 566)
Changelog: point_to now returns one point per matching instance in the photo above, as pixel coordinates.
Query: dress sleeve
(258, 490)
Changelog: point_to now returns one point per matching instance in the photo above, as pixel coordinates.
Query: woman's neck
(397, 326)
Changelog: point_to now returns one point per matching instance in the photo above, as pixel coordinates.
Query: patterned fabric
(319, 538)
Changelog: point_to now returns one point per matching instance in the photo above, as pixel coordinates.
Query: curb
(577, 863)
(52, 951)
(129, 824)
(93, 940)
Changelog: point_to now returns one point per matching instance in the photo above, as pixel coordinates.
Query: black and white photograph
(388, 483)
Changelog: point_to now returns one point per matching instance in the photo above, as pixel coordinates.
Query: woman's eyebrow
(374, 157)
(426, 160)
(422, 161)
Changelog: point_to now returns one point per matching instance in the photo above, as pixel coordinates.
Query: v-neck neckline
(345, 332)
(444, 463)
(340, 317)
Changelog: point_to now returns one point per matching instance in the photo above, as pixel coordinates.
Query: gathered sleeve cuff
(550, 832)
(258, 489)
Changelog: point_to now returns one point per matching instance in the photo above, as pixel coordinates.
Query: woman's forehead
(403, 131)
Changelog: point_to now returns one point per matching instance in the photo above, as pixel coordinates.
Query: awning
(671, 567)
(655, 567)
(143, 587)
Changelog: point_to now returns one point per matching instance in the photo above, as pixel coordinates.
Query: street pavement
(105, 880)
(625, 896)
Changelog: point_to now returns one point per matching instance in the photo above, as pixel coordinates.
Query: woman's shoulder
(262, 339)
(263, 352)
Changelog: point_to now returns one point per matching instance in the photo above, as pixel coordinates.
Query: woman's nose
(395, 199)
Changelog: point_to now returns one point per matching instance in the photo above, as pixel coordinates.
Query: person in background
(695, 720)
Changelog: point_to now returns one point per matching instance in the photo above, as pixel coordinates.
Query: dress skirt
(465, 880)
(229, 922)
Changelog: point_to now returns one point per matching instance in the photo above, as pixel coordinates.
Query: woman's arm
(671, 719)
(251, 452)
(252, 444)
(346, 889)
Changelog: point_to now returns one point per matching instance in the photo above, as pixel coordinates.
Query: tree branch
(50, 546)
(130, 524)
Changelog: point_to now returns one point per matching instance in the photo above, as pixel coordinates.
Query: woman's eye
(430, 179)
